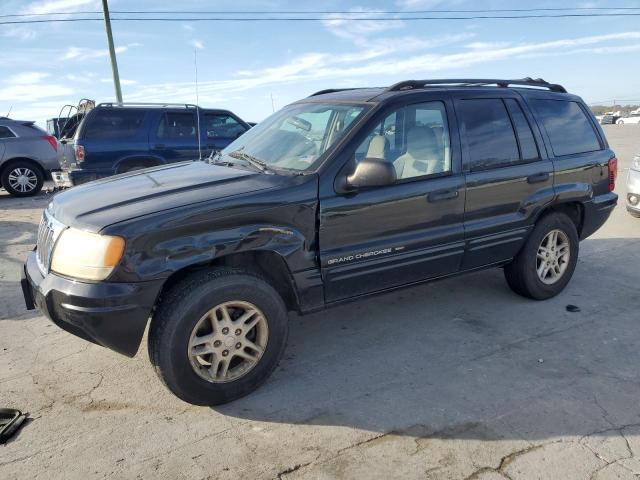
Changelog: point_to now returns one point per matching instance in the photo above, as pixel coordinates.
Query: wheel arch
(573, 209)
(8, 162)
(267, 264)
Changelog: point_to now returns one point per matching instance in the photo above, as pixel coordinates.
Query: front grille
(48, 233)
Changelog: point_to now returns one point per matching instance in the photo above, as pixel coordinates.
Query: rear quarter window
(567, 126)
(5, 132)
(113, 123)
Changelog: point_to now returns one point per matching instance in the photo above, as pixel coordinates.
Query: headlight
(635, 163)
(86, 255)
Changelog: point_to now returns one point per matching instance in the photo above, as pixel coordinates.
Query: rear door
(110, 134)
(176, 136)
(509, 177)
(379, 238)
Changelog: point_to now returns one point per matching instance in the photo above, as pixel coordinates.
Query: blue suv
(117, 138)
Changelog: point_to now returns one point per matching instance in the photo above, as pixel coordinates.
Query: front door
(379, 238)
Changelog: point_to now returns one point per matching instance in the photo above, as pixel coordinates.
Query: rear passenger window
(6, 133)
(568, 127)
(528, 148)
(488, 133)
(113, 123)
(177, 125)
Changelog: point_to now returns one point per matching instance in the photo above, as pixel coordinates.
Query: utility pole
(112, 52)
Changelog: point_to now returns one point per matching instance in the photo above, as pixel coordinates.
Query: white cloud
(123, 81)
(27, 78)
(197, 44)
(392, 66)
(83, 53)
(187, 27)
(32, 92)
(428, 4)
(54, 6)
(359, 31)
(21, 32)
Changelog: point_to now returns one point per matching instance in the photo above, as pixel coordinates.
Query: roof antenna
(10, 108)
(195, 64)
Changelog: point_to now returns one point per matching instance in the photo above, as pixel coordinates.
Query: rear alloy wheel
(554, 253)
(546, 263)
(21, 179)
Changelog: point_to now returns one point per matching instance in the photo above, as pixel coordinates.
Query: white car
(634, 118)
(633, 187)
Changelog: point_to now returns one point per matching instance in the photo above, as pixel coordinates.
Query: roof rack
(475, 82)
(143, 104)
(331, 90)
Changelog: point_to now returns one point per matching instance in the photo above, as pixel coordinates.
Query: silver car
(28, 155)
(633, 187)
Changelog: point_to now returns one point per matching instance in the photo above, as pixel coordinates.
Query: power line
(315, 19)
(328, 12)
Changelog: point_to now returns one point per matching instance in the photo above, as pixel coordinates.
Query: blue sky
(242, 66)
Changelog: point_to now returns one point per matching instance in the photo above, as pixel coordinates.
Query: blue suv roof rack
(143, 104)
(475, 82)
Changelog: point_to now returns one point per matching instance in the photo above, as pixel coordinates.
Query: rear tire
(22, 178)
(184, 354)
(535, 273)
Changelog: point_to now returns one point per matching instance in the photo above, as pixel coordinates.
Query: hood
(95, 205)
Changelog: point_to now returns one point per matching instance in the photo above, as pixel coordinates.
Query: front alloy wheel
(217, 335)
(228, 341)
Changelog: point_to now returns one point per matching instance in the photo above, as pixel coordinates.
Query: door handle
(442, 195)
(538, 177)
(159, 146)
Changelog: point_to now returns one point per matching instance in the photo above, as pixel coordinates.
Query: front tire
(548, 259)
(22, 179)
(217, 335)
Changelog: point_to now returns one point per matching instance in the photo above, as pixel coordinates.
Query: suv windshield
(296, 136)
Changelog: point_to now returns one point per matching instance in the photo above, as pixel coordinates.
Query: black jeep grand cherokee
(342, 194)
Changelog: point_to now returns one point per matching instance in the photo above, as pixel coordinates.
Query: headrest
(420, 139)
(377, 147)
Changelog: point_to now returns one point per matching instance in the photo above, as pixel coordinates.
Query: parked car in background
(633, 187)
(632, 119)
(28, 155)
(117, 138)
(344, 194)
(609, 118)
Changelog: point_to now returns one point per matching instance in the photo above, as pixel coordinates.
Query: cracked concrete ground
(451, 380)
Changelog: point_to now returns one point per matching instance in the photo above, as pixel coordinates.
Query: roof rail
(473, 82)
(331, 90)
(144, 104)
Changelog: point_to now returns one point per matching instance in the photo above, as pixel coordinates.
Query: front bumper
(596, 212)
(113, 315)
(61, 179)
(633, 190)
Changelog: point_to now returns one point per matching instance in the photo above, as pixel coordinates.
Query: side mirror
(372, 172)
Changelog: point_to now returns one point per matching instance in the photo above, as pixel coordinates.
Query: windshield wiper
(251, 160)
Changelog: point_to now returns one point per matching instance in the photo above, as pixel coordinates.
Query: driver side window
(415, 139)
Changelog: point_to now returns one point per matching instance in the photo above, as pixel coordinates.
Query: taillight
(613, 173)
(79, 153)
(52, 141)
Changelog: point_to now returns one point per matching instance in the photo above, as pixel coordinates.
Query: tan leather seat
(423, 156)
(377, 147)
